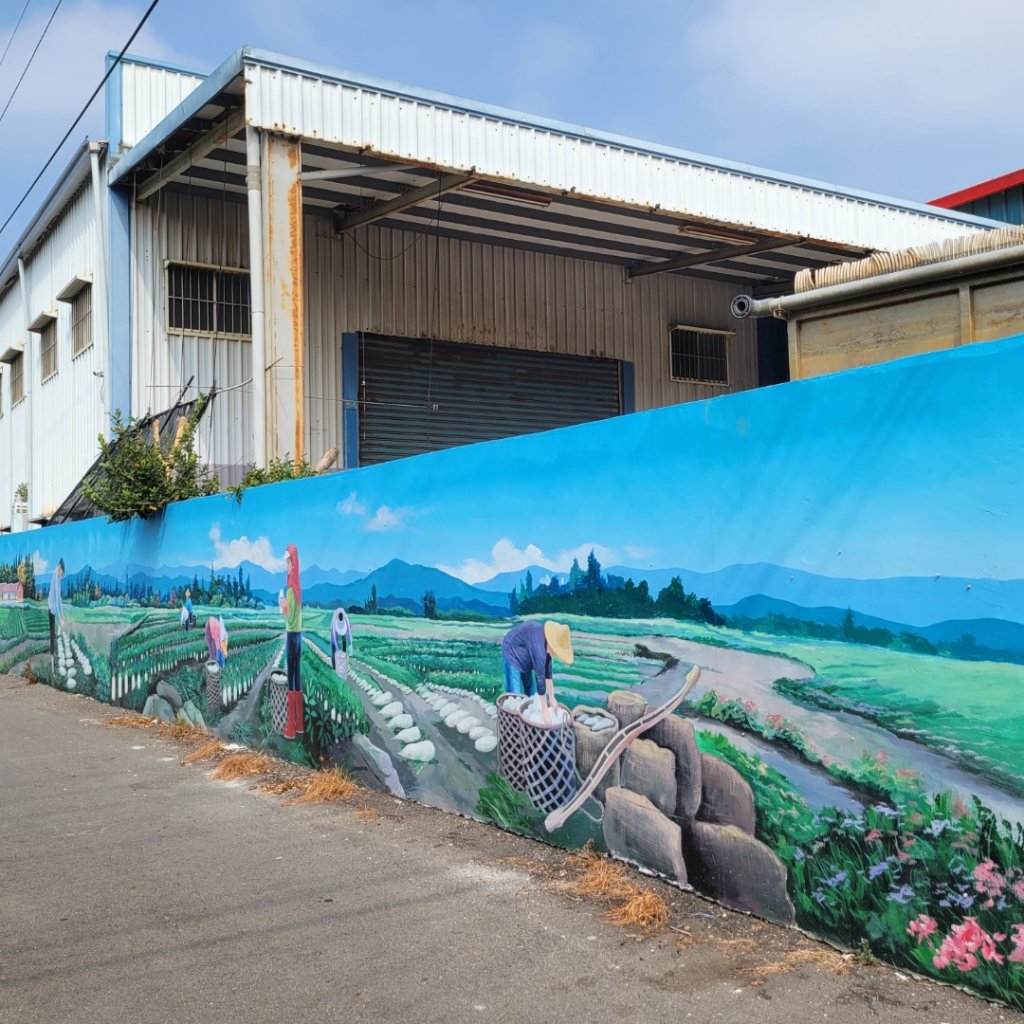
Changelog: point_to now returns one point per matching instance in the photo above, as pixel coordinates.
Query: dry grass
(129, 720)
(326, 787)
(204, 753)
(367, 813)
(181, 731)
(736, 945)
(633, 906)
(644, 909)
(244, 766)
(279, 786)
(600, 878)
(820, 959)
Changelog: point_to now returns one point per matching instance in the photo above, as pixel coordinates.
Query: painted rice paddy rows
(470, 665)
(331, 706)
(244, 667)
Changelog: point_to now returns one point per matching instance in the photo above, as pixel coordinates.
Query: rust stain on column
(295, 274)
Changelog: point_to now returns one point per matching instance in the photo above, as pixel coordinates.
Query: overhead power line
(17, 25)
(82, 113)
(32, 57)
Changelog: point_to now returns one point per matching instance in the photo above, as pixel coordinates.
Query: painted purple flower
(878, 869)
(889, 812)
(937, 827)
(836, 879)
(799, 854)
(904, 894)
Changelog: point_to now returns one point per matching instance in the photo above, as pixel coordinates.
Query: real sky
(902, 97)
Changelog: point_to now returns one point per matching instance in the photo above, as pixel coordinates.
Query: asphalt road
(133, 889)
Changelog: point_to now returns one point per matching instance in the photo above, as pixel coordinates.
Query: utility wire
(32, 57)
(3, 56)
(74, 125)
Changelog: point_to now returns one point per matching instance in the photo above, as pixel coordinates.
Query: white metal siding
(386, 281)
(66, 409)
(148, 95)
(177, 227)
(362, 117)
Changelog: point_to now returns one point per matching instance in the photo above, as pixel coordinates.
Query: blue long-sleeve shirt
(525, 649)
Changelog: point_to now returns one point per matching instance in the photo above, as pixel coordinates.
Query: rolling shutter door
(418, 396)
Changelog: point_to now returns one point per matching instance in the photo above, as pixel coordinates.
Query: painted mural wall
(770, 646)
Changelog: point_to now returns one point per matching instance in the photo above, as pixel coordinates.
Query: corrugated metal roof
(577, 171)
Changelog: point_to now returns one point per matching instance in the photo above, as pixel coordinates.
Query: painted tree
(429, 605)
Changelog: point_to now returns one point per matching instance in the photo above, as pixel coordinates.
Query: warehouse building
(384, 270)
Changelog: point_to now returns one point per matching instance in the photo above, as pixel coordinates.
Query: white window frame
(48, 346)
(19, 362)
(709, 332)
(215, 270)
(73, 293)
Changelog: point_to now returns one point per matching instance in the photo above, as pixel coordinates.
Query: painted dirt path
(749, 676)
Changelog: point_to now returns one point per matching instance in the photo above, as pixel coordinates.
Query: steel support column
(281, 165)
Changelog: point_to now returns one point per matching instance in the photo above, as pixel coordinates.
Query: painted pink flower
(882, 758)
(988, 880)
(1018, 888)
(1017, 956)
(922, 926)
(750, 705)
(874, 834)
(961, 946)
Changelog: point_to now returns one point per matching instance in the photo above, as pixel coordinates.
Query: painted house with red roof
(11, 593)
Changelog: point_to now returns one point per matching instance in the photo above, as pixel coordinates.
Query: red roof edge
(986, 188)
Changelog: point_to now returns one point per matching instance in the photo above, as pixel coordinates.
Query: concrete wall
(878, 328)
(840, 558)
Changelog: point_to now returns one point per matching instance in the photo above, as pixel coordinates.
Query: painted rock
(422, 751)
(726, 799)
(636, 831)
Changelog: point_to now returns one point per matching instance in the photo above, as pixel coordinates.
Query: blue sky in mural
(866, 475)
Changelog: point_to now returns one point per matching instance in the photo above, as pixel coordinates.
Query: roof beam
(403, 202)
(218, 135)
(728, 252)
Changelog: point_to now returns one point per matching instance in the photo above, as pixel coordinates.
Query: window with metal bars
(81, 321)
(48, 349)
(17, 379)
(700, 356)
(208, 300)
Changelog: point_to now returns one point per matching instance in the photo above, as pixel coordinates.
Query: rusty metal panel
(148, 95)
(281, 162)
(439, 132)
(66, 408)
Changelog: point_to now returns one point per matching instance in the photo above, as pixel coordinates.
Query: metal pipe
(783, 305)
(27, 375)
(100, 304)
(259, 336)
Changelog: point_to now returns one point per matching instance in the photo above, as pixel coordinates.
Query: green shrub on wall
(140, 474)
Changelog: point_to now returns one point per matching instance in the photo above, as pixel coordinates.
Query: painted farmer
(290, 603)
(341, 641)
(527, 650)
(55, 606)
(217, 640)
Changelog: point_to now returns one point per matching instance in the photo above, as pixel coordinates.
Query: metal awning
(390, 147)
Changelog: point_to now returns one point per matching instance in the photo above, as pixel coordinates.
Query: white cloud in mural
(636, 553)
(386, 518)
(230, 553)
(506, 557)
(39, 564)
(352, 506)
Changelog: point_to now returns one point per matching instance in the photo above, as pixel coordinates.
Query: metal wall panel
(406, 128)
(408, 285)
(148, 95)
(1006, 205)
(65, 410)
(179, 227)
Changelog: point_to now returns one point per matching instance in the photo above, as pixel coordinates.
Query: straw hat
(557, 637)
